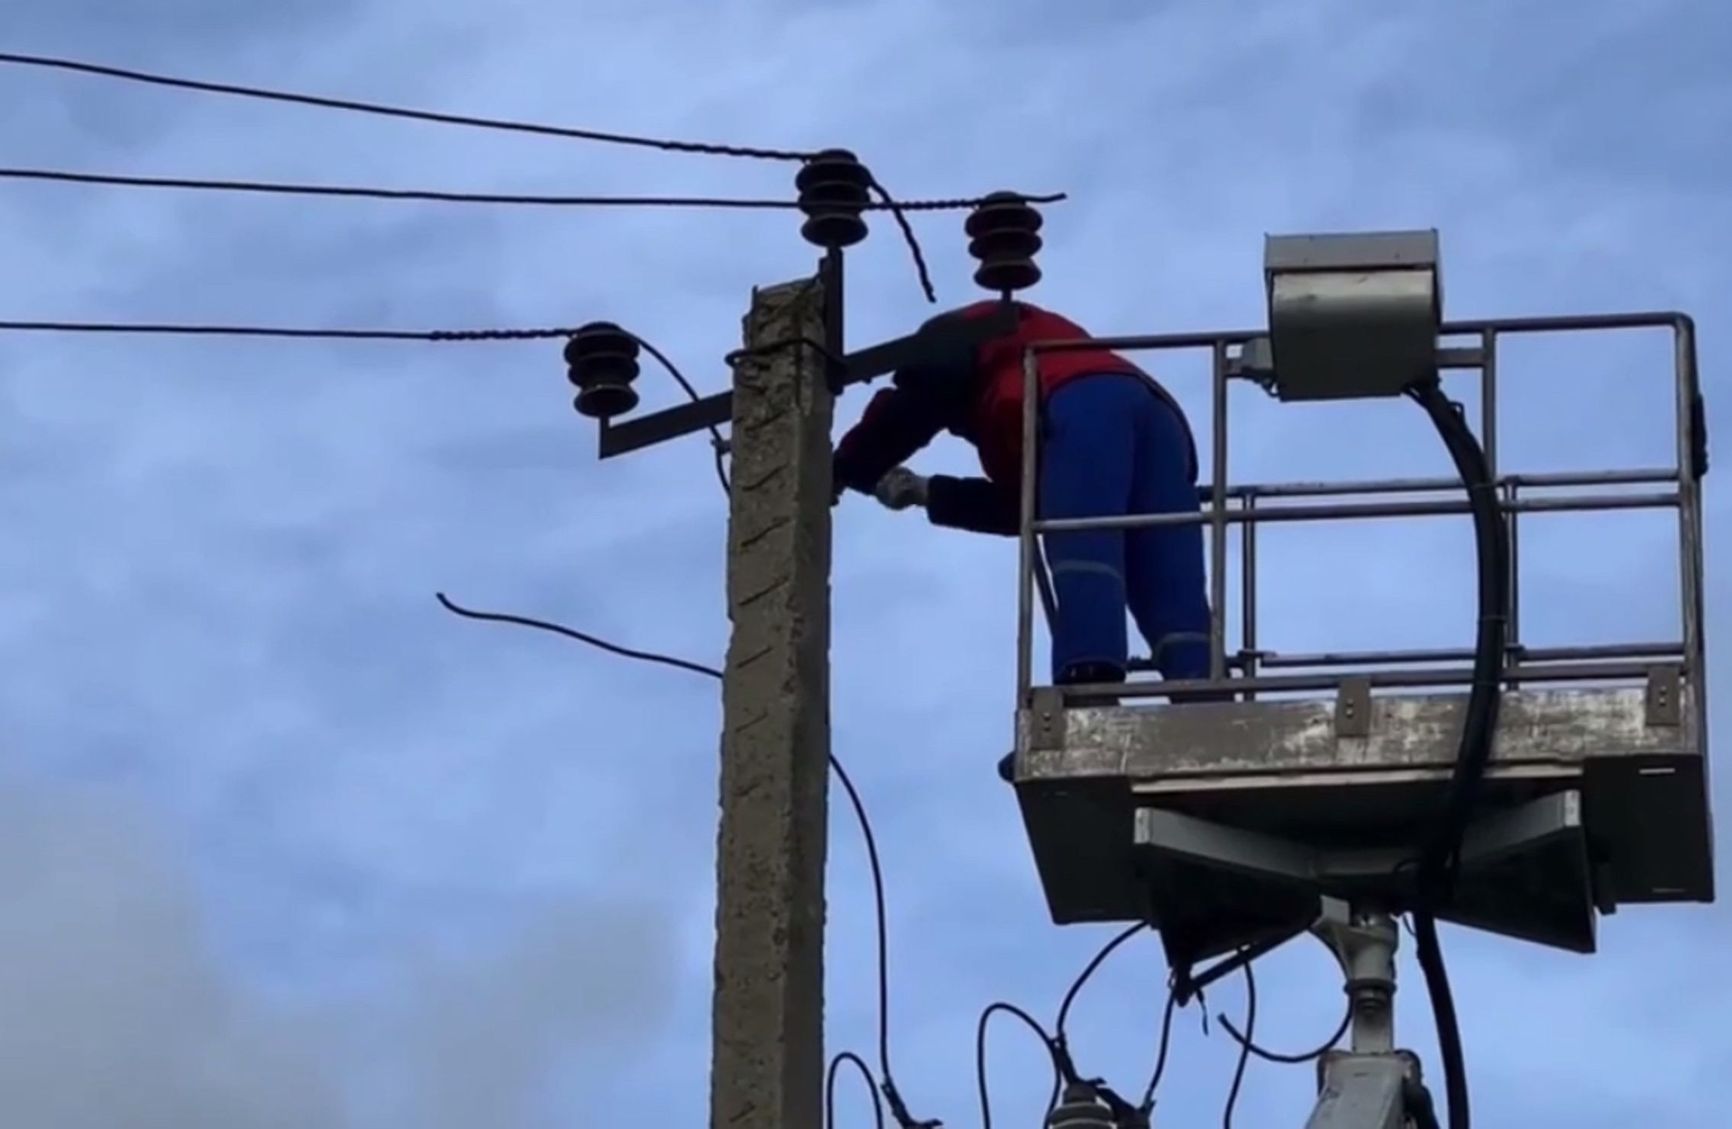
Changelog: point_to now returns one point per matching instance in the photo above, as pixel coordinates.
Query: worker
(1113, 442)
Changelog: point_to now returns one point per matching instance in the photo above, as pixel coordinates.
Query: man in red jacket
(1113, 442)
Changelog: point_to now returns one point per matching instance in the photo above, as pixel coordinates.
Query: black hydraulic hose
(1438, 861)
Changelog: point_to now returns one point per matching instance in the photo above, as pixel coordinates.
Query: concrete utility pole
(767, 1062)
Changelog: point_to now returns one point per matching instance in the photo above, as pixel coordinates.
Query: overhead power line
(277, 188)
(168, 329)
(887, 203)
(440, 117)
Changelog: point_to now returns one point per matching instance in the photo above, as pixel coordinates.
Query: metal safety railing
(1247, 507)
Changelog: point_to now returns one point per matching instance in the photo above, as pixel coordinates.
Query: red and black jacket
(975, 393)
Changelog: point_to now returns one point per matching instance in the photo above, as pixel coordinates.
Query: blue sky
(287, 845)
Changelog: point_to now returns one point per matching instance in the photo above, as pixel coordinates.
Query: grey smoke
(115, 1013)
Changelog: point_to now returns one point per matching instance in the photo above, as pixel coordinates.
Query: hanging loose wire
(874, 864)
(584, 637)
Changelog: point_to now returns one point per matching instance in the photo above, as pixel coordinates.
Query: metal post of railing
(1513, 605)
(1690, 501)
(1488, 399)
(1025, 530)
(1248, 590)
(1218, 515)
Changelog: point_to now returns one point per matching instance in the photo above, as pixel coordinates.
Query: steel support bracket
(1665, 692)
(619, 438)
(1353, 708)
(1046, 725)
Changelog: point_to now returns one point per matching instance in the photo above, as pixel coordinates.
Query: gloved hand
(900, 489)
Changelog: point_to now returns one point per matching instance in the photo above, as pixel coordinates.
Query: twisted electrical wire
(897, 210)
(354, 106)
(369, 192)
(171, 329)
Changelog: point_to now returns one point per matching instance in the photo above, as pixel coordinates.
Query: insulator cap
(1003, 233)
(833, 194)
(601, 360)
(1081, 1108)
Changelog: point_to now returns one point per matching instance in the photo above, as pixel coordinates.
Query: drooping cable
(1438, 862)
(1161, 1048)
(580, 636)
(1244, 1046)
(718, 445)
(849, 1058)
(866, 833)
(1107, 950)
(1032, 1024)
(1277, 1057)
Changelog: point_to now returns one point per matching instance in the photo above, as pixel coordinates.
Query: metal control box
(1352, 316)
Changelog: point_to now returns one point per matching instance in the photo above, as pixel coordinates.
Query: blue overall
(1111, 447)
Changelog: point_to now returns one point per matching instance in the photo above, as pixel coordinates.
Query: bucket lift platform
(1227, 823)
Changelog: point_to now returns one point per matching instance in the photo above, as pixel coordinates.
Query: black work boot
(1090, 673)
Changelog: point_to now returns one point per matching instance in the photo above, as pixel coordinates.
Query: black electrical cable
(1058, 1027)
(859, 806)
(580, 636)
(1289, 1059)
(1032, 1024)
(278, 188)
(717, 443)
(194, 330)
(1244, 1046)
(1438, 861)
(353, 106)
(1161, 1049)
(851, 1059)
(874, 864)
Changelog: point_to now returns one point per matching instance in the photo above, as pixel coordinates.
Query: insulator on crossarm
(833, 188)
(1081, 1108)
(1004, 235)
(601, 361)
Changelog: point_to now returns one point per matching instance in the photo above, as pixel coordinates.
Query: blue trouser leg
(1165, 581)
(1086, 466)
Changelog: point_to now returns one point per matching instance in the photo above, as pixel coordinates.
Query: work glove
(900, 489)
